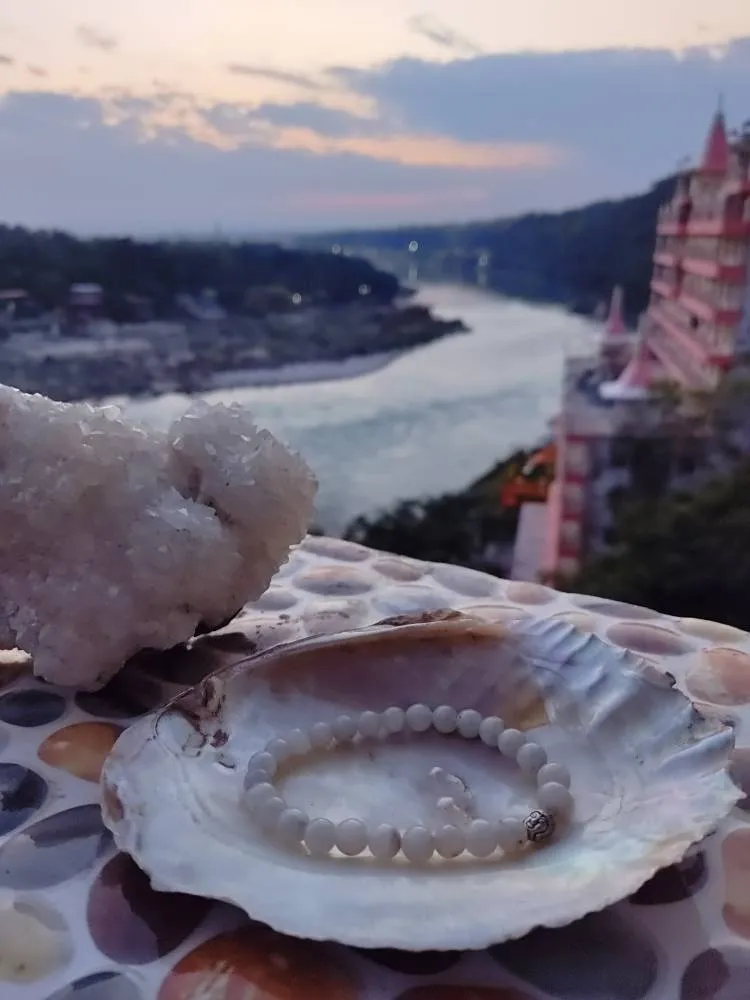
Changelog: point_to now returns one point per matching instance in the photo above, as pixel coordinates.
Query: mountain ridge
(572, 258)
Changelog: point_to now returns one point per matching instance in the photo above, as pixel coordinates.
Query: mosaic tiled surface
(78, 921)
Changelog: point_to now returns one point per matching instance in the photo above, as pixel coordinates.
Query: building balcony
(698, 307)
(685, 338)
(719, 315)
(714, 270)
(704, 347)
(666, 258)
(732, 229)
(670, 227)
(669, 344)
(666, 289)
(667, 356)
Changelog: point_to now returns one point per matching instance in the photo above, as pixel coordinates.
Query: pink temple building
(699, 288)
(697, 322)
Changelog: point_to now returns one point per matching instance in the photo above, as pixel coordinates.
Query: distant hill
(573, 258)
(45, 264)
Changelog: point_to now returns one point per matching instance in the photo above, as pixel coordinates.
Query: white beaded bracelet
(417, 843)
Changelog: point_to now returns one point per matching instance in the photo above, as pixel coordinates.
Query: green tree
(45, 264)
(442, 529)
(686, 555)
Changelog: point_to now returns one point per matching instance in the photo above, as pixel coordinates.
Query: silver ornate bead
(539, 826)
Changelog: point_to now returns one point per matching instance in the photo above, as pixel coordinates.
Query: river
(430, 422)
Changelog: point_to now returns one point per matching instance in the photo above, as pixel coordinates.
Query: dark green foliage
(45, 264)
(683, 555)
(453, 528)
(574, 257)
(442, 529)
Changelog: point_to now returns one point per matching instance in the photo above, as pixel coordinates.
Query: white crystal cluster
(116, 537)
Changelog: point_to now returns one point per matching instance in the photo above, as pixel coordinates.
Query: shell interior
(648, 775)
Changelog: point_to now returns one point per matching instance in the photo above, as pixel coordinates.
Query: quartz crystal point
(116, 537)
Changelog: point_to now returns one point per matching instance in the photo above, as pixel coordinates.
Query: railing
(678, 363)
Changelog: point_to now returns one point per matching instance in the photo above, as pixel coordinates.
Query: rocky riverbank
(309, 343)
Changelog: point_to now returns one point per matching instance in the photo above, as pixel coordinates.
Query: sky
(275, 116)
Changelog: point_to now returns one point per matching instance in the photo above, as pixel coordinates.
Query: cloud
(485, 136)
(325, 130)
(95, 39)
(320, 118)
(627, 114)
(275, 75)
(433, 30)
(38, 71)
(6, 60)
(115, 171)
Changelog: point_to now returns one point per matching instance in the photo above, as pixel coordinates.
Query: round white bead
(394, 719)
(450, 841)
(469, 722)
(291, 825)
(262, 761)
(445, 719)
(481, 838)
(417, 844)
(511, 834)
(531, 757)
(554, 772)
(344, 728)
(279, 749)
(384, 842)
(298, 741)
(253, 778)
(490, 729)
(259, 794)
(369, 724)
(419, 718)
(554, 799)
(269, 811)
(321, 735)
(351, 837)
(320, 836)
(510, 742)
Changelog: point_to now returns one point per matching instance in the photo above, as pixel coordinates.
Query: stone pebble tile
(83, 923)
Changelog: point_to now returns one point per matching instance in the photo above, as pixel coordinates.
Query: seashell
(649, 780)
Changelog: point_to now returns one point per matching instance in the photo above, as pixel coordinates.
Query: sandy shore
(302, 371)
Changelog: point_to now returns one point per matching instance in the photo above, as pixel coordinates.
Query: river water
(430, 422)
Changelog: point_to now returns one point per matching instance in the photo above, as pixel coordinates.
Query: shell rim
(631, 879)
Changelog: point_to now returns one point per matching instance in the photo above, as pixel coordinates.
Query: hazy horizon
(292, 234)
(315, 115)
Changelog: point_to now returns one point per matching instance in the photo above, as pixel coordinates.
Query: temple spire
(635, 381)
(716, 151)
(615, 325)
